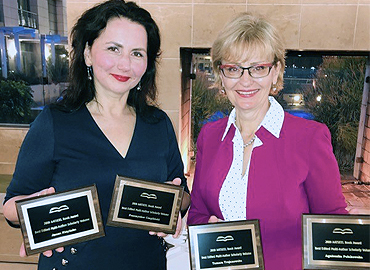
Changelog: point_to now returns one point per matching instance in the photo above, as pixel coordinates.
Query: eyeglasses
(256, 71)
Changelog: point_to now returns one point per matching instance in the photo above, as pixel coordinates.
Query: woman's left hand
(177, 233)
(214, 219)
(177, 182)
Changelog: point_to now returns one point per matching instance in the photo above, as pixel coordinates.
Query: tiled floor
(357, 195)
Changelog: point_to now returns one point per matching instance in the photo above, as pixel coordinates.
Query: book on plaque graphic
(226, 246)
(336, 241)
(59, 219)
(145, 205)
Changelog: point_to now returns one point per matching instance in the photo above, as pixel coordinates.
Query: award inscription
(336, 241)
(64, 218)
(145, 205)
(232, 248)
(60, 219)
(137, 204)
(226, 245)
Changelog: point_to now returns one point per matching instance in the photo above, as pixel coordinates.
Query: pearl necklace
(250, 142)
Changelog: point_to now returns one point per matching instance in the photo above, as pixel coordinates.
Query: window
(53, 21)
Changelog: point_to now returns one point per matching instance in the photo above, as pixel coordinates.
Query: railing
(27, 18)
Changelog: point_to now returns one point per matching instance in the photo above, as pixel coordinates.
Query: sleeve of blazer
(198, 213)
(323, 185)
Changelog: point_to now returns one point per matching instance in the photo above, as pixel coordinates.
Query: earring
(274, 87)
(89, 73)
(138, 88)
(222, 90)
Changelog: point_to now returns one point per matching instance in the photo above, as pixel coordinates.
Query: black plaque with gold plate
(59, 219)
(145, 205)
(226, 246)
(336, 241)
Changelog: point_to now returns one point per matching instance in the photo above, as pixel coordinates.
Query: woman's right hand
(9, 208)
(48, 253)
(10, 213)
(45, 191)
(214, 219)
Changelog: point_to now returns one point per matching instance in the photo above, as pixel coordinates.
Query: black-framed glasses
(256, 71)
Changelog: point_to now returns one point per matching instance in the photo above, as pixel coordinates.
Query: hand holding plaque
(177, 182)
(22, 249)
(59, 219)
(226, 246)
(336, 241)
(145, 205)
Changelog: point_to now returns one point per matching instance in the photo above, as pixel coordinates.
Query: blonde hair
(245, 36)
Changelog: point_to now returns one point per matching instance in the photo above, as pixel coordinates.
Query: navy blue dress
(67, 151)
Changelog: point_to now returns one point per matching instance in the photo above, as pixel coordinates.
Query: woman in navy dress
(105, 124)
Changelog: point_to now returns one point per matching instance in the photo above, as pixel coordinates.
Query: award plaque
(336, 241)
(59, 219)
(226, 246)
(145, 205)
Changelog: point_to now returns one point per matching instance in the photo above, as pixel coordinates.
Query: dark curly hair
(88, 27)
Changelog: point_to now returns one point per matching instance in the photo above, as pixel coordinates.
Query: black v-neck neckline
(106, 138)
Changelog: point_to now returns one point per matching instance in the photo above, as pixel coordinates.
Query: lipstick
(120, 78)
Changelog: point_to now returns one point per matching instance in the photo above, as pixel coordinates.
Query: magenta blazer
(294, 174)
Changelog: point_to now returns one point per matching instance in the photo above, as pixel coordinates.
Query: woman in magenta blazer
(261, 162)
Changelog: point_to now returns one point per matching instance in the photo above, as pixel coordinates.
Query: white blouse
(233, 194)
